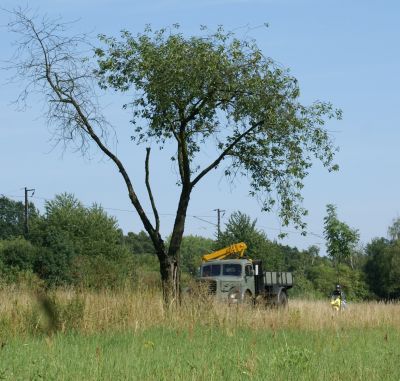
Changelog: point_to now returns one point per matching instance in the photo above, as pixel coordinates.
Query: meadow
(128, 335)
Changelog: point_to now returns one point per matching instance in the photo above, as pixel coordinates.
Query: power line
(118, 209)
(198, 217)
(201, 219)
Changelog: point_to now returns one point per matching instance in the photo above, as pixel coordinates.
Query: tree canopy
(218, 89)
(383, 264)
(90, 229)
(341, 240)
(12, 217)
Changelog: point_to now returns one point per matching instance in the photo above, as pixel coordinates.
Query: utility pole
(219, 211)
(26, 209)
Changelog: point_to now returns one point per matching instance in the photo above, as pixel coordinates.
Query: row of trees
(68, 244)
(71, 244)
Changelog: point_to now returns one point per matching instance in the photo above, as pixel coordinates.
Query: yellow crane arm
(237, 248)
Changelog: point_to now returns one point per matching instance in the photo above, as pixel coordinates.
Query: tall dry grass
(25, 312)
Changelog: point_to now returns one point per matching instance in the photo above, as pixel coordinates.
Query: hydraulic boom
(235, 249)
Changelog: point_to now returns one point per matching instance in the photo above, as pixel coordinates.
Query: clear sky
(345, 52)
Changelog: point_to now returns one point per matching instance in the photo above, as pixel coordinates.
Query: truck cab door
(249, 279)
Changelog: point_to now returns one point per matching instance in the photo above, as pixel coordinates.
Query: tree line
(70, 244)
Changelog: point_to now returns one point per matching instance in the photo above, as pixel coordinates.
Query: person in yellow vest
(338, 298)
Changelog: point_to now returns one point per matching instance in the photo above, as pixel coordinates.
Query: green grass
(205, 354)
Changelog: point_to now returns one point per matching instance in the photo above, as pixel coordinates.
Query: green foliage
(54, 265)
(240, 228)
(75, 245)
(192, 249)
(383, 268)
(301, 264)
(70, 232)
(341, 239)
(139, 243)
(394, 230)
(12, 217)
(314, 276)
(18, 253)
(100, 272)
(89, 230)
(217, 89)
(70, 244)
(323, 277)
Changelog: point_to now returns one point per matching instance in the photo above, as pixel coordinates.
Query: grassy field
(129, 336)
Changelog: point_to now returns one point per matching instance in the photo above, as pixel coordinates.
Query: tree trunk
(170, 279)
(170, 262)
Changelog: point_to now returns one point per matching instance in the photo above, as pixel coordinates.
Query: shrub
(18, 253)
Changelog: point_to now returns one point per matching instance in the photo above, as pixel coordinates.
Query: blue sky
(340, 51)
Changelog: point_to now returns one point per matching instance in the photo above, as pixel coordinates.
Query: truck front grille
(212, 287)
(207, 286)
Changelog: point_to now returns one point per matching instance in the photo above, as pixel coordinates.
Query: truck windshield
(232, 269)
(211, 270)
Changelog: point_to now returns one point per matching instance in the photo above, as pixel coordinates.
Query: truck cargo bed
(272, 278)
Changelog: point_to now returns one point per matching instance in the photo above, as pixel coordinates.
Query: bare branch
(54, 66)
(153, 205)
(224, 153)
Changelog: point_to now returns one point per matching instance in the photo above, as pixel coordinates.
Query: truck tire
(280, 300)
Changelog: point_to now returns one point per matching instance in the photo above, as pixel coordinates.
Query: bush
(100, 272)
(17, 253)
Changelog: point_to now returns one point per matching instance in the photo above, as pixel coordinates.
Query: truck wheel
(283, 299)
(280, 300)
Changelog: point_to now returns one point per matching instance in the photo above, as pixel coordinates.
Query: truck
(230, 276)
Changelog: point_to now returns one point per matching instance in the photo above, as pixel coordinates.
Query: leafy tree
(383, 268)
(341, 240)
(393, 281)
(299, 262)
(54, 259)
(241, 228)
(69, 244)
(70, 233)
(12, 220)
(377, 267)
(139, 243)
(184, 91)
(192, 249)
(394, 230)
(322, 275)
(88, 231)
